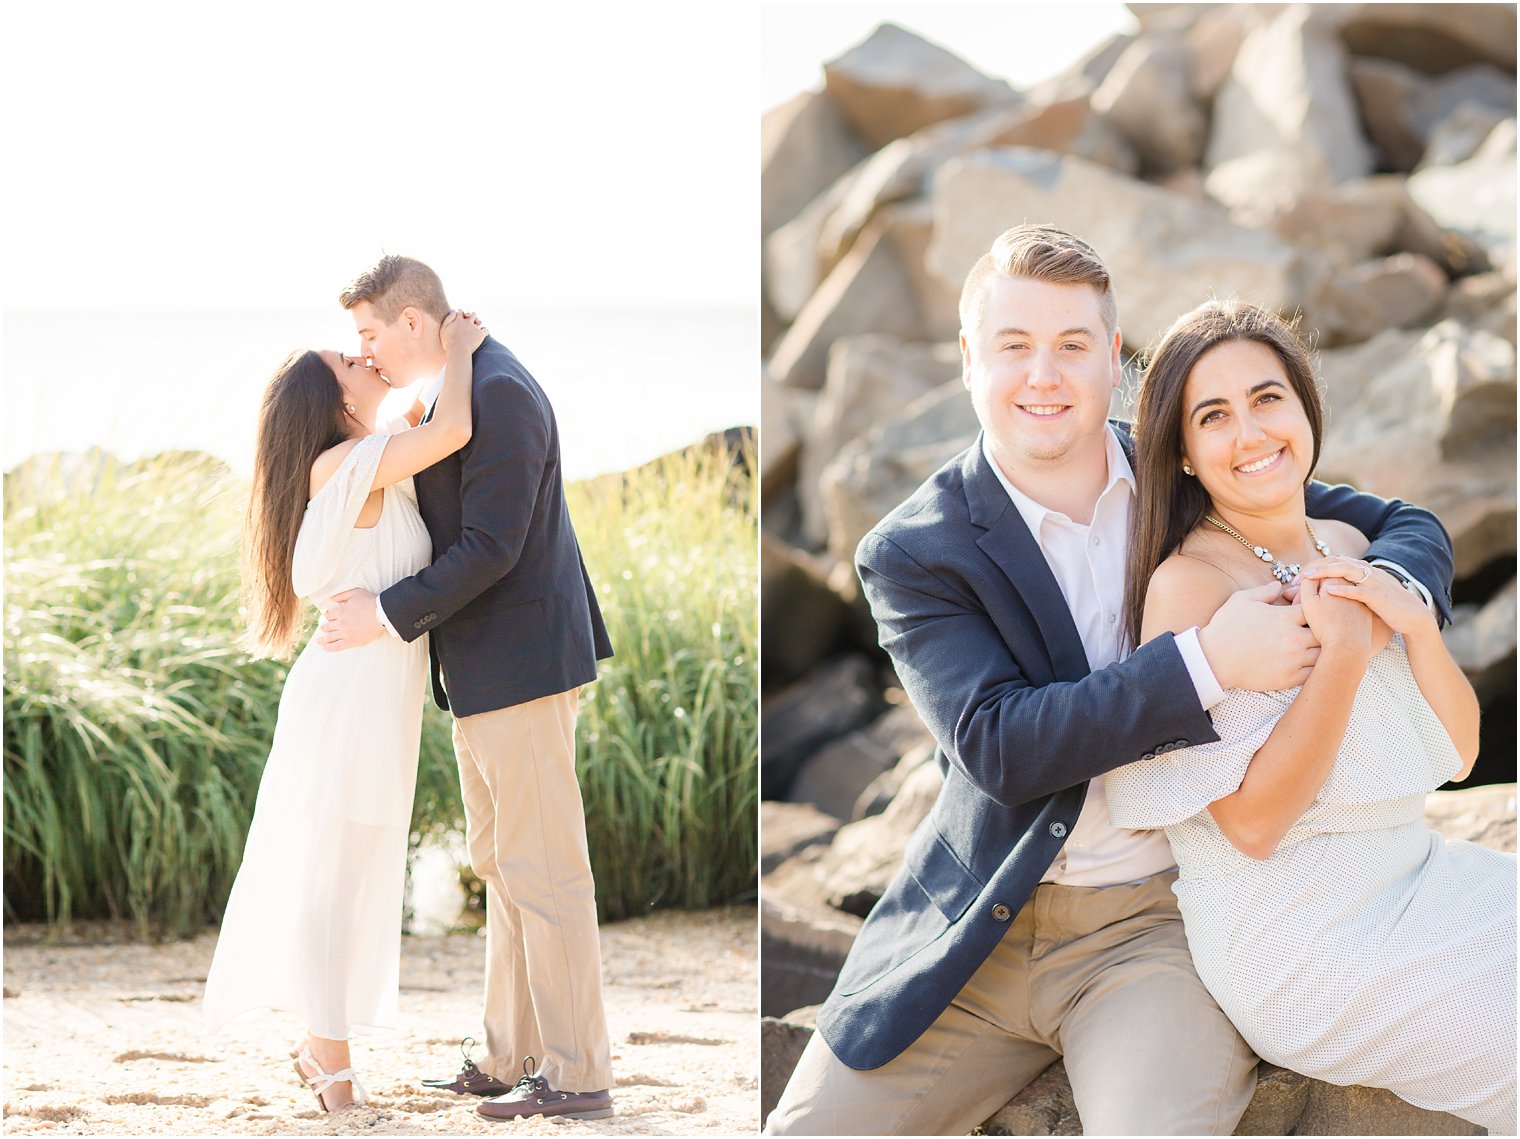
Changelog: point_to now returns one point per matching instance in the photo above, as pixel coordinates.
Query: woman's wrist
(1339, 658)
(1421, 634)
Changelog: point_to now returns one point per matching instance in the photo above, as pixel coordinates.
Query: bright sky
(171, 156)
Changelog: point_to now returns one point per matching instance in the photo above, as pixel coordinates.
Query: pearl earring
(350, 409)
(1187, 470)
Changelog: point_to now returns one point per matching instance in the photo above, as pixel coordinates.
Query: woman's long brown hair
(1168, 503)
(301, 416)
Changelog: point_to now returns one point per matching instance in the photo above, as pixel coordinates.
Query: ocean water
(626, 385)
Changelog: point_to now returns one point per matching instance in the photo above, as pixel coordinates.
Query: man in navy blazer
(1022, 927)
(516, 631)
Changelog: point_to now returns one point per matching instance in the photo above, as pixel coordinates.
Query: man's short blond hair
(394, 283)
(1041, 253)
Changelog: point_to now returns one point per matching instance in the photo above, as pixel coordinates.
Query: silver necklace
(1285, 572)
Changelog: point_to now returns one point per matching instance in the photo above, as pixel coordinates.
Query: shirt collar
(434, 389)
(1032, 512)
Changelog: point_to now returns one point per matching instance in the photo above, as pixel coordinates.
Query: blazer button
(1058, 829)
(1001, 912)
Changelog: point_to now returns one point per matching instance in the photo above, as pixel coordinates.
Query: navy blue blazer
(507, 598)
(987, 651)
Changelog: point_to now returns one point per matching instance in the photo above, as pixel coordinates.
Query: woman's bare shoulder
(326, 465)
(1185, 590)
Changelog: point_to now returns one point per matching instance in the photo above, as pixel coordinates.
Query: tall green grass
(135, 730)
(669, 734)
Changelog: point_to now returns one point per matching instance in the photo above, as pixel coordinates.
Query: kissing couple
(439, 537)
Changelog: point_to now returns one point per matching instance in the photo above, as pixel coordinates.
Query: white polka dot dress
(1367, 949)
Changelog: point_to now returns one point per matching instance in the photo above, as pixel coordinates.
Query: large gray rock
(1458, 136)
(904, 169)
(802, 948)
(1045, 1107)
(1288, 96)
(1287, 1103)
(805, 145)
(1401, 291)
(805, 620)
(869, 380)
(1486, 302)
(1357, 221)
(882, 467)
(1083, 77)
(1484, 815)
(1475, 198)
(870, 290)
(835, 698)
(834, 779)
(912, 230)
(1214, 34)
(781, 1045)
(1147, 96)
(1166, 253)
(1413, 119)
(1457, 104)
(1387, 93)
(1433, 38)
(1430, 418)
(782, 442)
(878, 796)
(864, 856)
(792, 261)
(787, 829)
(895, 83)
(1482, 641)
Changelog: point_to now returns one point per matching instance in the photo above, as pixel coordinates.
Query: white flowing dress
(313, 924)
(1367, 949)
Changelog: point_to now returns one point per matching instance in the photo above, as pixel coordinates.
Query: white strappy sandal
(321, 1081)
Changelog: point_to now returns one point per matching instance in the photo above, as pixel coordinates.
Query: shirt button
(1058, 829)
(1001, 912)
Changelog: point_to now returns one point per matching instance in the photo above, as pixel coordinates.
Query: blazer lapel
(1013, 549)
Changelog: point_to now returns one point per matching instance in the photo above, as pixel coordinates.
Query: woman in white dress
(313, 924)
(1342, 936)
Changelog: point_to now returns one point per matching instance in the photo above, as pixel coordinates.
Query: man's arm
(499, 476)
(1013, 739)
(1407, 536)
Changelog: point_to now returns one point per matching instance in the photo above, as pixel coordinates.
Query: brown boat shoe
(533, 1095)
(471, 1080)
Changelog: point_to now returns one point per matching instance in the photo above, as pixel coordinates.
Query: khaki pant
(1101, 977)
(527, 842)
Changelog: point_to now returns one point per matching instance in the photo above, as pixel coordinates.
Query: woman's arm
(1441, 681)
(1289, 769)
(419, 447)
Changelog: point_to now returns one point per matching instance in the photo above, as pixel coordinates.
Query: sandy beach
(104, 1037)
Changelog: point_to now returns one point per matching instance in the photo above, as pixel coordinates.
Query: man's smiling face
(1041, 367)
